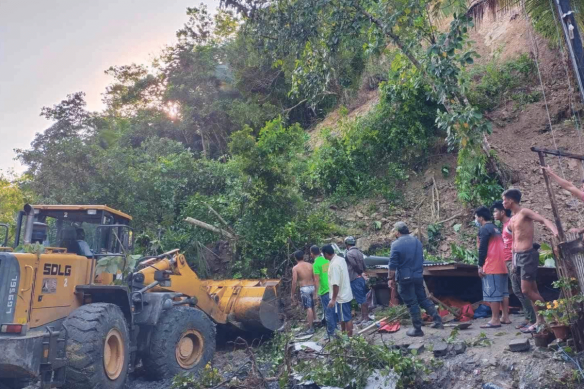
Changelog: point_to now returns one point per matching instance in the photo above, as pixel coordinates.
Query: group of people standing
(510, 253)
(506, 253)
(336, 280)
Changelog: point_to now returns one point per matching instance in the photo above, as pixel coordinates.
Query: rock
(540, 354)
(440, 349)
(553, 346)
(359, 214)
(518, 345)
(380, 380)
(547, 207)
(333, 207)
(419, 347)
(363, 244)
(459, 347)
(444, 247)
(350, 219)
(307, 346)
(375, 215)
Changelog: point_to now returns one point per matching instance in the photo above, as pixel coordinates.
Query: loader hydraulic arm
(247, 304)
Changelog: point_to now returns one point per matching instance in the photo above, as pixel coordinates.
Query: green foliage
(495, 83)
(453, 335)
(546, 252)
(12, 199)
(480, 341)
(445, 170)
(434, 235)
(354, 359)
(207, 378)
(371, 154)
(274, 350)
(464, 255)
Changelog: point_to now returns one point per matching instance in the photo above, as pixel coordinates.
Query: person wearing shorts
(526, 263)
(339, 288)
(356, 266)
(306, 295)
(303, 276)
(522, 228)
(320, 269)
(492, 269)
(504, 216)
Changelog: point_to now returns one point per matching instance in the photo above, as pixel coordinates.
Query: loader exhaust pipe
(29, 210)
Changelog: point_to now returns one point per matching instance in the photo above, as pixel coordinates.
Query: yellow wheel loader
(67, 326)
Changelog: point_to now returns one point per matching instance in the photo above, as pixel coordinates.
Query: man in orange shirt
(504, 216)
(492, 269)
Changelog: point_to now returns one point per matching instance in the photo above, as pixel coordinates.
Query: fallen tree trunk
(209, 227)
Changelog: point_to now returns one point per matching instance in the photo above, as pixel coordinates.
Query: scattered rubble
(518, 345)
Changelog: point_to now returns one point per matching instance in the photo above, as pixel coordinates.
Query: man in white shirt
(339, 288)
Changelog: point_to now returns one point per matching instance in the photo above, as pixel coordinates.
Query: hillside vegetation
(219, 120)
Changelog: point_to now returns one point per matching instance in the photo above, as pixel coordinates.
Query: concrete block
(419, 347)
(518, 345)
(440, 349)
(459, 348)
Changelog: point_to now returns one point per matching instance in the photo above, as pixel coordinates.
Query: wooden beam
(557, 153)
(552, 198)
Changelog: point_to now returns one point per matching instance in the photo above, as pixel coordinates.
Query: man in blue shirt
(406, 265)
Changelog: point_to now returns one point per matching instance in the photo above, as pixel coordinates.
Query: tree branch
(209, 227)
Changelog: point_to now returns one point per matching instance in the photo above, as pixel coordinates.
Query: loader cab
(92, 231)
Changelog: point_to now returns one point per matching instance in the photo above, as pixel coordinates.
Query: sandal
(507, 322)
(522, 325)
(489, 325)
(529, 330)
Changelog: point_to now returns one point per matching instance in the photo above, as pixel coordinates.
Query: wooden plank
(552, 199)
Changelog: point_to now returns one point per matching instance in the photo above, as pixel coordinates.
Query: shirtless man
(303, 276)
(525, 256)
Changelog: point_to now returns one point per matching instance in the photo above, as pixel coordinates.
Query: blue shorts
(343, 311)
(329, 314)
(359, 289)
(495, 287)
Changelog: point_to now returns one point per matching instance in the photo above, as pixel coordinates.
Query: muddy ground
(486, 363)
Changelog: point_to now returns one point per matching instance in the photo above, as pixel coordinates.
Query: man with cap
(406, 266)
(356, 266)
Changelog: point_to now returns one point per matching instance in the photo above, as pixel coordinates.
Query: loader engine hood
(9, 281)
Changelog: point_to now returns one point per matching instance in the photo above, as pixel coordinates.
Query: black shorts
(527, 262)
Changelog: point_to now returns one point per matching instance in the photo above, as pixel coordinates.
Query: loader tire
(14, 383)
(98, 347)
(182, 342)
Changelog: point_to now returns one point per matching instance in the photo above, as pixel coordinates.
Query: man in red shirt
(492, 268)
(504, 216)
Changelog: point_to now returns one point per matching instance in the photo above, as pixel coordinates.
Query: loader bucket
(252, 305)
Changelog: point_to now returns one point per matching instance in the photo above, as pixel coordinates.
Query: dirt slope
(515, 131)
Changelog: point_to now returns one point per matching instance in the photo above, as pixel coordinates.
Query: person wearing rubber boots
(406, 266)
(356, 266)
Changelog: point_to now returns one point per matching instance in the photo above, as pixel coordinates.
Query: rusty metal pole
(552, 198)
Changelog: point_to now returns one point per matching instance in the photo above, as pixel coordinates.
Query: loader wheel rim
(113, 354)
(189, 349)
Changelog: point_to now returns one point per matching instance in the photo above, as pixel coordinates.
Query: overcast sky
(51, 48)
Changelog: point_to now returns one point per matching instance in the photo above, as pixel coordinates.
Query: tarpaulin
(389, 328)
